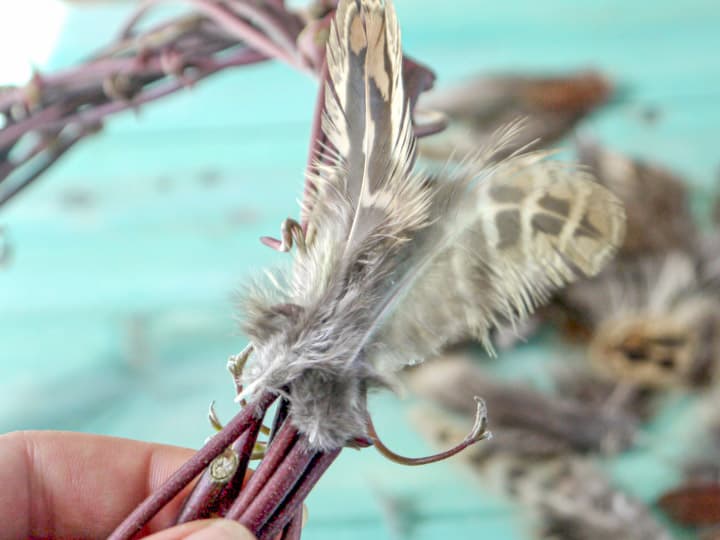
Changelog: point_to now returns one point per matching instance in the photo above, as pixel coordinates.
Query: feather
(553, 484)
(366, 207)
(629, 287)
(452, 381)
(479, 106)
(657, 201)
(528, 228)
(654, 321)
(580, 384)
(367, 118)
(378, 230)
(545, 478)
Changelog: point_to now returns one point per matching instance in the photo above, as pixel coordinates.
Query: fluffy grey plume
(397, 264)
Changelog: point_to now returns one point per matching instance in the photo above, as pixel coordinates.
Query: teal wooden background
(116, 314)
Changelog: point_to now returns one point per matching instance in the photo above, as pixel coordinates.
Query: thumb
(208, 529)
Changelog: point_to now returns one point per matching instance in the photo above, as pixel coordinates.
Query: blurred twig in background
(48, 116)
(42, 120)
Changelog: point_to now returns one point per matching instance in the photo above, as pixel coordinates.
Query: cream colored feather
(391, 252)
(367, 119)
(531, 226)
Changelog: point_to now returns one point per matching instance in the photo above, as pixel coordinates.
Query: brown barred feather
(390, 251)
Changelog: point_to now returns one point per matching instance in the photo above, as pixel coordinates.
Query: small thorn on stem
(291, 232)
(213, 417)
(218, 425)
(272, 243)
(119, 86)
(257, 455)
(236, 366)
(236, 363)
(34, 90)
(478, 432)
(172, 62)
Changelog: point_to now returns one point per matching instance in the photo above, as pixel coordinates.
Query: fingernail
(222, 529)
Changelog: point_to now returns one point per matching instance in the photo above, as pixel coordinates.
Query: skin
(72, 485)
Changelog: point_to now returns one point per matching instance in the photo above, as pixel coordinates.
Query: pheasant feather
(397, 263)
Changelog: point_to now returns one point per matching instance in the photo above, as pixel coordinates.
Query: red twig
(145, 66)
(276, 452)
(184, 475)
(293, 530)
(49, 153)
(293, 503)
(478, 433)
(139, 69)
(317, 143)
(236, 26)
(272, 494)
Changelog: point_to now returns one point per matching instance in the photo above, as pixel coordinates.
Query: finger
(80, 486)
(212, 529)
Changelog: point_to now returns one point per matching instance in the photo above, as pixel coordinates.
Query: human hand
(72, 485)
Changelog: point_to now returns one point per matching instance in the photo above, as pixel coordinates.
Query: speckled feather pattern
(655, 320)
(575, 425)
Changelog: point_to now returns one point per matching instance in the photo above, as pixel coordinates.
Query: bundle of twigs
(47, 117)
(42, 120)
